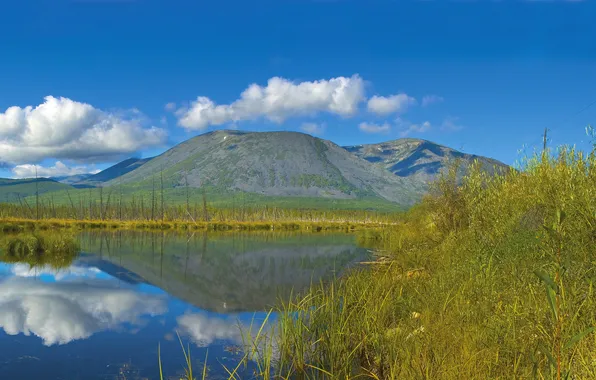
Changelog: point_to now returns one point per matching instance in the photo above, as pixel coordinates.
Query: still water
(104, 316)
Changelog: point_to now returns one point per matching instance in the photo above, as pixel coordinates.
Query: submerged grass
(490, 279)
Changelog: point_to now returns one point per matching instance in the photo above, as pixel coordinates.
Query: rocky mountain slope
(283, 164)
(419, 160)
(271, 163)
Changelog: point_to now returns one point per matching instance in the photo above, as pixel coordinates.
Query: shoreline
(8, 225)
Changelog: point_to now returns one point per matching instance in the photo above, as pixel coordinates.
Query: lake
(104, 316)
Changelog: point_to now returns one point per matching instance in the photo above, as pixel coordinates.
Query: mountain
(11, 190)
(421, 161)
(112, 172)
(273, 164)
(288, 169)
(71, 179)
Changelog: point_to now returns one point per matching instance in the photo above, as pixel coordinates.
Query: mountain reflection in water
(128, 291)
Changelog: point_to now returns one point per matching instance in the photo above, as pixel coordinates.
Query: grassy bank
(8, 225)
(492, 279)
(104, 212)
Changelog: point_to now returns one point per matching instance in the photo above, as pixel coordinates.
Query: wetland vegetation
(488, 277)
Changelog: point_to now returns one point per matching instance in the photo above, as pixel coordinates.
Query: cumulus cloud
(313, 128)
(374, 128)
(382, 105)
(204, 330)
(431, 99)
(62, 128)
(58, 170)
(61, 312)
(170, 107)
(277, 101)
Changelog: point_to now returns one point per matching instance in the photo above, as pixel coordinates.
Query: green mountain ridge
(13, 190)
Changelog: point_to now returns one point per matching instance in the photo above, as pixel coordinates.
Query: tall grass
(57, 250)
(493, 278)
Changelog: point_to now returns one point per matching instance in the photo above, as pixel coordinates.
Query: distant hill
(13, 189)
(71, 179)
(421, 161)
(272, 164)
(111, 173)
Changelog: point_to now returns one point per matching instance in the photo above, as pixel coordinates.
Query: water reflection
(224, 273)
(61, 312)
(204, 330)
(128, 291)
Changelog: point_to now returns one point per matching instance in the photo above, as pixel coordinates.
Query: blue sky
(499, 72)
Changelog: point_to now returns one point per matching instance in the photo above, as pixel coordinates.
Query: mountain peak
(288, 163)
(277, 163)
(420, 160)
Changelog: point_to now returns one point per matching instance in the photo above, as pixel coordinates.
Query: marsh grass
(493, 278)
(29, 225)
(55, 249)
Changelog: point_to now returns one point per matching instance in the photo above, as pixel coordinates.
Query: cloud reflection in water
(61, 312)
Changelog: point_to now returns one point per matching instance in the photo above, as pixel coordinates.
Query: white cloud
(431, 99)
(374, 128)
(61, 312)
(404, 127)
(204, 330)
(65, 129)
(382, 105)
(58, 170)
(313, 128)
(26, 270)
(170, 107)
(277, 101)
